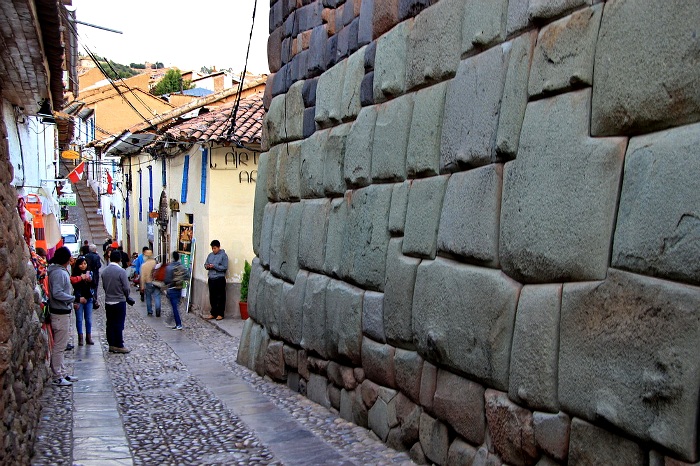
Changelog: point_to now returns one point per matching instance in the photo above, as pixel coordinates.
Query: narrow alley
(180, 398)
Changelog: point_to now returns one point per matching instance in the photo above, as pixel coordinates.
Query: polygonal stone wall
(478, 225)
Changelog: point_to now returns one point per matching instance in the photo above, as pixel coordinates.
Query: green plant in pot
(243, 302)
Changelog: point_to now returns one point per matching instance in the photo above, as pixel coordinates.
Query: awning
(129, 143)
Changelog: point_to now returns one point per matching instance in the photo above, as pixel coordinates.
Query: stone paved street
(180, 398)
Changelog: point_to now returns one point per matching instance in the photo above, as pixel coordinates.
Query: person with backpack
(175, 277)
(60, 306)
(147, 283)
(94, 265)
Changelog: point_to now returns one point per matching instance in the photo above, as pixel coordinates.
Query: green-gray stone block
(290, 245)
(390, 62)
(469, 221)
(560, 195)
(565, 51)
(344, 321)
(337, 224)
(312, 235)
(260, 201)
(292, 317)
(266, 235)
(391, 139)
(423, 216)
(398, 296)
(423, 151)
(329, 96)
(358, 149)
(288, 177)
(399, 204)
(277, 239)
(354, 72)
(334, 150)
(314, 315)
(658, 220)
(312, 165)
(470, 331)
(484, 23)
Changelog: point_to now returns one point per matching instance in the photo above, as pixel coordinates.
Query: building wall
(476, 226)
(23, 370)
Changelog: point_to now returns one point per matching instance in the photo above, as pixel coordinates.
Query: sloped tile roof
(214, 125)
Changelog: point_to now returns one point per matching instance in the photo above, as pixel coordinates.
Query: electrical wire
(234, 112)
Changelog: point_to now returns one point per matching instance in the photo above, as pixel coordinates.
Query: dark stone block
(332, 51)
(332, 3)
(291, 25)
(370, 53)
(276, 17)
(308, 92)
(301, 69)
(274, 50)
(348, 12)
(282, 81)
(411, 8)
(353, 44)
(366, 19)
(314, 16)
(316, 63)
(309, 121)
(385, 16)
(339, 18)
(286, 52)
(366, 90)
(343, 43)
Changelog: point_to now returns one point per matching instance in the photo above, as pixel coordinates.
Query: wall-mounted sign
(70, 155)
(68, 199)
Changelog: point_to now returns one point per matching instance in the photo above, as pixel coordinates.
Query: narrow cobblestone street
(180, 398)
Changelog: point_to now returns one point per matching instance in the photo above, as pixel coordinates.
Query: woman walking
(83, 289)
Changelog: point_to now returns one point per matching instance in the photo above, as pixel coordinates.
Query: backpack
(180, 275)
(158, 273)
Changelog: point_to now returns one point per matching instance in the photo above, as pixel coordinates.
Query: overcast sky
(188, 35)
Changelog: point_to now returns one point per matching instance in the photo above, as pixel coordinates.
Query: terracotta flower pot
(244, 310)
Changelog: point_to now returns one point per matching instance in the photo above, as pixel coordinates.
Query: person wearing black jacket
(83, 290)
(94, 263)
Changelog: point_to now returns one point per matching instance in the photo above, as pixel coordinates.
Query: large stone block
(428, 384)
(533, 357)
(423, 216)
(510, 429)
(460, 452)
(256, 271)
(472, 108)
(434, 43)
(334, 150)
(378, 419)
(391, 139)
(266, 234)
(344, 321)
(271, 176)
(484, 23)
(337, 223)
(354, 73)
(552, 433)
(592, 445)
(645, 85)
(565, 51)
(373, 316)
(272, 301)
(288, 162)
(559, 195)
(628, 355)
(399, 204)
(285, 118)
(243, 355)
(514, 101)
(423, 151)
(274, 361)
(367, 236)
(469, 221)
(317, 390)
(292, 318)
(434, 438)
(289, 250)
(312, 237)
(658, 221)
(469, 331)
(312, 165)
(398, 295)
(517, 16)
(358, 149)
(277, 240)
(260, 202)
(314, 314)
(460, 402)
(259, 297)
(409, 368)
(378, 362)
(329, 95)
(547, 9)
(390, 62)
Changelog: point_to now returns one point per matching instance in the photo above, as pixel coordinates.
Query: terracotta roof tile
(214, 125)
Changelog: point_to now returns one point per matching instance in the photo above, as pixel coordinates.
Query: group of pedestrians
(77, 291)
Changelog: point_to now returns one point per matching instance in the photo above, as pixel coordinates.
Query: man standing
(175, 277)
(60, 305)
(147, 285)
(116, 288)
(217, 264)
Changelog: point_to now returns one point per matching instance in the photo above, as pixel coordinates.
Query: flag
(109, 182)
(77, 173)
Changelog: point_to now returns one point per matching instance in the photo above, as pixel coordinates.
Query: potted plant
(243, 302)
